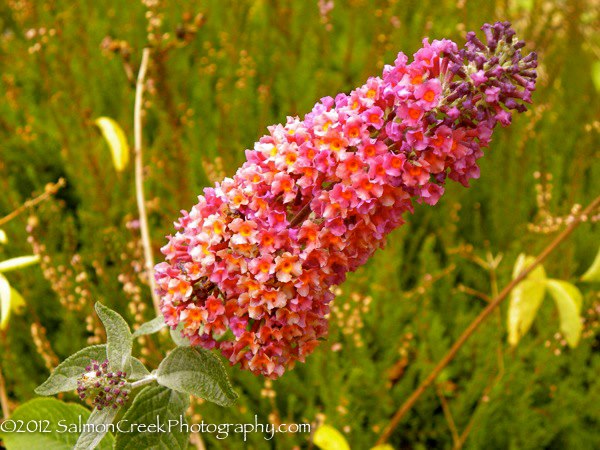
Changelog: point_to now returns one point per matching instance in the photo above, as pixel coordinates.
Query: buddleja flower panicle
(251, 267)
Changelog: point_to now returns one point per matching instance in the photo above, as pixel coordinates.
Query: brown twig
(139, 178)
(51, 189)
(3, 397)
(302, 214)
(474, 293)
(465, 434)
(448, 415)
(491, 307)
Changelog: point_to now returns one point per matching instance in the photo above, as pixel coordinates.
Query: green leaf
(525, 299)
(115, 137)
(593, 273)
(57, 421)
(18, 302)
(151, 327)
(10, 301)
(64, 377)
(568, 300)
(18, 263)
(5, 301)
(383, 447)
(197, 372)
(155, 404)
(138, 370)
(119, 339)
(596, 75)
(97, 428)
(328, 438)
(178, 338)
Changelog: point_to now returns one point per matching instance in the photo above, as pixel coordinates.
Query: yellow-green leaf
(17, 302)
(596, 75)
(5, 296)
(3, 238)
(328, 438)
(593, 273)
(18, 263)
(568, 300)
(525, 299)
(383, 447)
(115, 137)
(10, 301)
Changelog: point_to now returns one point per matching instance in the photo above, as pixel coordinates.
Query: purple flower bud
(510, 104)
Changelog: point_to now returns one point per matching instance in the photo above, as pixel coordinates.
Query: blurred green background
(220, 72)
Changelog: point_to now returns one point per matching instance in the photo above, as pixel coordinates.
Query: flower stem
(301, 216)
(139, 178)
(491, 307)
(143, 382)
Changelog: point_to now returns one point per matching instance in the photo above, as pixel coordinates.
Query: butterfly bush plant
(251, 267)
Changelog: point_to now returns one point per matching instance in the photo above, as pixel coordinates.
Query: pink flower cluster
(251, 267)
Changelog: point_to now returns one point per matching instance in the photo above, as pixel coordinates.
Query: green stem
(143, 382)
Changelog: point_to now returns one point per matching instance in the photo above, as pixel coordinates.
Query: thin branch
(139, 178)
(4, 397)
(474, 293)
(465, 434)
(491, 307)
(301, 216)
(51, 189)
(448, 415)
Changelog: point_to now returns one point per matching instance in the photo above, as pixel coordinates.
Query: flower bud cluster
(106, 389)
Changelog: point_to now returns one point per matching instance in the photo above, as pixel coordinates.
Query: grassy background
(215, 82)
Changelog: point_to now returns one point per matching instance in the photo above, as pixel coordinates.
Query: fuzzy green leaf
(197, 372)
(328, 438)
(97, 429)
(115, 137)
(57, 424)
(593, 273)
(568, 300)
(178, 338)
(525, 299)
(119, 339)
(151, 403)
(154, 326)
(18, 263)
(138, 370)
(64, 377)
